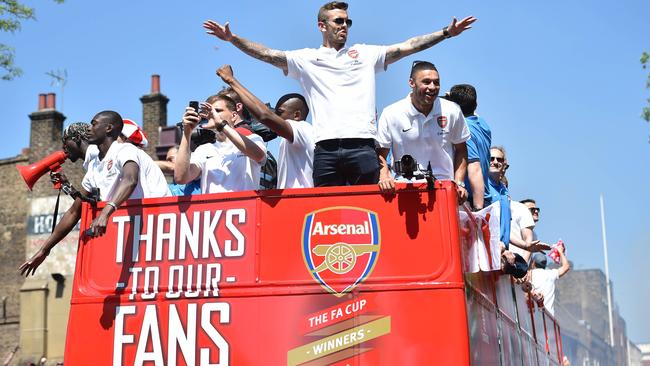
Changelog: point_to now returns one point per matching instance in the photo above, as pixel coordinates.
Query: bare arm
(386, 181)
(476, 183)
(416, 44)
(61, 230)
(243, 143)
(130, 177)
(255, 106)
(167, 167)
(566, 266)
(460, 169)
(184, 171)
(274, 57)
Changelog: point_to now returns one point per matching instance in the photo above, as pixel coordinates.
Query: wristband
(445, 32)
(221, 126)
(112, 204)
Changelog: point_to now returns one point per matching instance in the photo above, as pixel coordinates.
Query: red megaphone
(31, 173)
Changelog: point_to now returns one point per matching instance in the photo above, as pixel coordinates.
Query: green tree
(12, 13)
(645, 60)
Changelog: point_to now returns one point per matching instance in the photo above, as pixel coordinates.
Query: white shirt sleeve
(257, 139)
(299, 133)
(522, 215)
(384, 138)
(127, 153)
(460, 131)
(295, 62)
(87, 183)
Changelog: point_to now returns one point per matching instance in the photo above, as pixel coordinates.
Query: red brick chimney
(45, 135)
(154, 114)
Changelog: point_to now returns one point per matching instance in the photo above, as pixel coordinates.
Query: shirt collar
(413, 112)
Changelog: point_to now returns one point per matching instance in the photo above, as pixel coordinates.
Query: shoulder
(449, 107)
(303, 52)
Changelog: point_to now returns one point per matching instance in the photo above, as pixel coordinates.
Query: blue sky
(559, 82)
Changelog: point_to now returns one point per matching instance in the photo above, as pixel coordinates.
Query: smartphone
(194, 104)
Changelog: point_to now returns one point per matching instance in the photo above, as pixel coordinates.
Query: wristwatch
(221, 126)
(460, 184)
(445, 32)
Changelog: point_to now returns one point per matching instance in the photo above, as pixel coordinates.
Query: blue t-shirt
(478, 148)
(193, 187)
(499, 192)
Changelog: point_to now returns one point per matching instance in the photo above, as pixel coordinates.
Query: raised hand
(457, 27)
(538, 246)
(225, 73)
(190, 119)
(220, 31)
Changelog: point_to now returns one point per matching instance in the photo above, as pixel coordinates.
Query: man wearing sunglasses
(339, 85)
(430, 129)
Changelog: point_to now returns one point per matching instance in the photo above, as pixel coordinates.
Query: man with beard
(339, 85)
(430, 129)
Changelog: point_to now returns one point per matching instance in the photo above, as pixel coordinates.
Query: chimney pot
(155, 84)
(51, 101)
(41, 101)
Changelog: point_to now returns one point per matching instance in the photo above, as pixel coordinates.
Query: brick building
(35, 310)
(581, 308)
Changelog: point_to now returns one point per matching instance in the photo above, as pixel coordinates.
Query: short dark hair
(304, 109)
(421, 65)
(330, 6)
(465, 96)
(527, 200)
(232, 94)
(114, 119)
(230, 103)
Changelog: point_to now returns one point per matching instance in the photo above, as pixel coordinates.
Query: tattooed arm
(416, 44)
(253, 49)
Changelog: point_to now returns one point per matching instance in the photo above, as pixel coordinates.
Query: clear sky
(559, 82)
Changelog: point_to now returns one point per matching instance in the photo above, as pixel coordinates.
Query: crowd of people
(346, 143)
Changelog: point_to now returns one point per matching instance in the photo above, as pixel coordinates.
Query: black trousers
(341, 162)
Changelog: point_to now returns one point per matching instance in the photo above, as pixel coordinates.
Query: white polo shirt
(520, 217)
(106, 174)
(92, 152)
(339, 87)
(405, 130)
(296, 160)
(226, 169)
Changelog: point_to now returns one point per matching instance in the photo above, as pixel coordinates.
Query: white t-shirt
(405, 130)
(543, 281)
(339, 87)
(296, 160)
(520, 218)
(106, 174)
(92, 152)
(226, 169)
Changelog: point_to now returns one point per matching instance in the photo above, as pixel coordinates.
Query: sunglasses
(341, 21)
(534, 210)
(500, 160)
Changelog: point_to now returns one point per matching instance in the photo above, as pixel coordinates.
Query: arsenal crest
(340, 246)
(353, 54)
(442, 121)
(109, 165)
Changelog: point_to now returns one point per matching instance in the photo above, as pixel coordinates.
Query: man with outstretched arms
(430, 129)
(339, 85)
(295, 163)
(232, 163)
